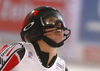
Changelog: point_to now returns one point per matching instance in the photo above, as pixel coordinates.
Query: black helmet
(35, 23)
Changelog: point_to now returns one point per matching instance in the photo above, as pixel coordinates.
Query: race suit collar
(44, 56)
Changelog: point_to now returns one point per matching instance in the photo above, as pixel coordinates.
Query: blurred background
(82, 50)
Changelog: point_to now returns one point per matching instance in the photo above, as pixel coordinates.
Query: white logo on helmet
(28, 26)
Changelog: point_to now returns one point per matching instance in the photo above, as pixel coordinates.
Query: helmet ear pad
(35, 32)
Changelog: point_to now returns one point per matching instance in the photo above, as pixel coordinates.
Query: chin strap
(51, 42)
(54, 44)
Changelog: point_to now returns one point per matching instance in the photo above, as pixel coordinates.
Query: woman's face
(56, 35)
